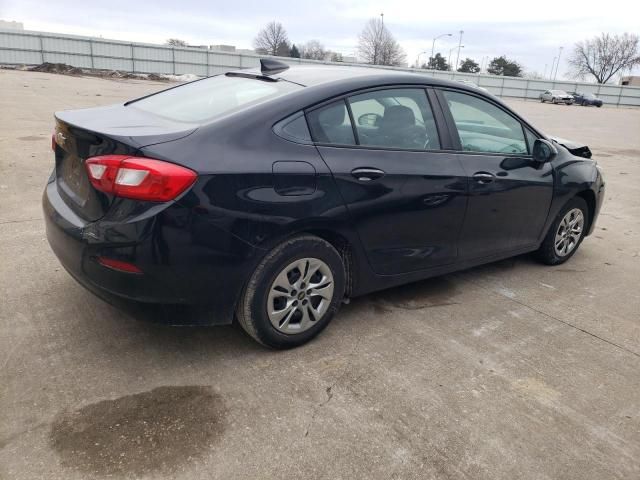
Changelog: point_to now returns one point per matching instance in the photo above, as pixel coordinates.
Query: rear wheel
(566, 233)
(294, 293)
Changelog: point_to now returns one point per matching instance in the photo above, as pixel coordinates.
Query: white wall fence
(33, 48)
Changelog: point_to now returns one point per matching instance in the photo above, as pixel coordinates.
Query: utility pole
(557, 64)
(459, 47)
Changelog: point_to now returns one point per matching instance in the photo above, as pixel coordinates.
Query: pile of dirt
(113, 74)
(157, 78)
(62, 68)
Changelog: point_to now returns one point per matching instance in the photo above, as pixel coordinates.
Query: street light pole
(459, 47)
(557, 64)
(418, 59)
(433, 45)
(382, 16)
(552, 66)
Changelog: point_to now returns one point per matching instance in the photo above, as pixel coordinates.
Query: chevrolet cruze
(272, 195)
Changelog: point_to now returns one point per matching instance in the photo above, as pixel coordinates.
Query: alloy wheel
(569, 232)
(300, 295)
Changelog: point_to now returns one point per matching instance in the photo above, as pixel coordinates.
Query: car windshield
(589, 95)
(204, 100)
(558, 92)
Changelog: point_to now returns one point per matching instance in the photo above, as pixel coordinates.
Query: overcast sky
(529, 32)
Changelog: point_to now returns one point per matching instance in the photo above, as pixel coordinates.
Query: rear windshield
(212, 97)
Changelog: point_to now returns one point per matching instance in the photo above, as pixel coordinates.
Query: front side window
(331, 124)
(483, 127)
(395, 118)
(212, 97)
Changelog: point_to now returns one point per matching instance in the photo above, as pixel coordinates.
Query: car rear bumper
(184, 260)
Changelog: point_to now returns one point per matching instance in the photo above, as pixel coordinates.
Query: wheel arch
(590, 198)
(344, 247)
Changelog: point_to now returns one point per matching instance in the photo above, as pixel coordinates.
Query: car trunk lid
(81, 134)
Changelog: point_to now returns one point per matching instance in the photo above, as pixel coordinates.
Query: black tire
(547, 252)
(541, 100)
(251, 310)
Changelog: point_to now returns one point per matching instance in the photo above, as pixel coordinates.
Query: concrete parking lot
(510, 371)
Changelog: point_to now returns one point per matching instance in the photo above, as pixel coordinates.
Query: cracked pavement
(511, 370)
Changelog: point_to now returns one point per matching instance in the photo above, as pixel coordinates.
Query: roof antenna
(269, 66)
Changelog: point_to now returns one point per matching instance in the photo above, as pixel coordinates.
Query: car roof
(315, 75)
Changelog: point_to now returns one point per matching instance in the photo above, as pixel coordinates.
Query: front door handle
(366, 174)
(483, 177)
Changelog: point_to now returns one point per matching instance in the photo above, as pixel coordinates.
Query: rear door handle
(366, 174)
(483, 177)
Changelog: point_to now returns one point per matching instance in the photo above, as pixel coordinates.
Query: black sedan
(586, 99)
(273, 195)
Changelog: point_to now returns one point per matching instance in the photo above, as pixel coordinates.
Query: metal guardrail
(21, 47)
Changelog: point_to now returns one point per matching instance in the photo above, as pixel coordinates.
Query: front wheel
(566, 233)
(294, 293)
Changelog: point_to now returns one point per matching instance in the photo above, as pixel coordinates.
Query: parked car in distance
(586, 99)
(473, 84)
(271, 195)
(556, 96)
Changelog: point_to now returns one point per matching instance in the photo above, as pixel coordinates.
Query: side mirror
(544, 151)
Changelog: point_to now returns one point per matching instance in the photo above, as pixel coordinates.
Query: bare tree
(376, 45)
(272, 40)
(176, 42)
(604, 56)
(313, 50)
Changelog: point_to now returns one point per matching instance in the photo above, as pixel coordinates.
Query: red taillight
(53, 141)
(138, 178)
(118, 265)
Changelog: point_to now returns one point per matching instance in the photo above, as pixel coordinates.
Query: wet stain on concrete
(154, 431)
(31, 138)
(435, 292)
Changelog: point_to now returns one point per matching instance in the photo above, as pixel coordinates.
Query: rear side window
(331, 124)
(212, 97)
(395, 118)
(483, 127)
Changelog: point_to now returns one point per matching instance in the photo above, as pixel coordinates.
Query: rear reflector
(138, 178)
(118, 265)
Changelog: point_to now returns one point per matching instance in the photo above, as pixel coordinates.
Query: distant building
(10, 25)
(232, 49)
(632, 81)
(223, 48)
